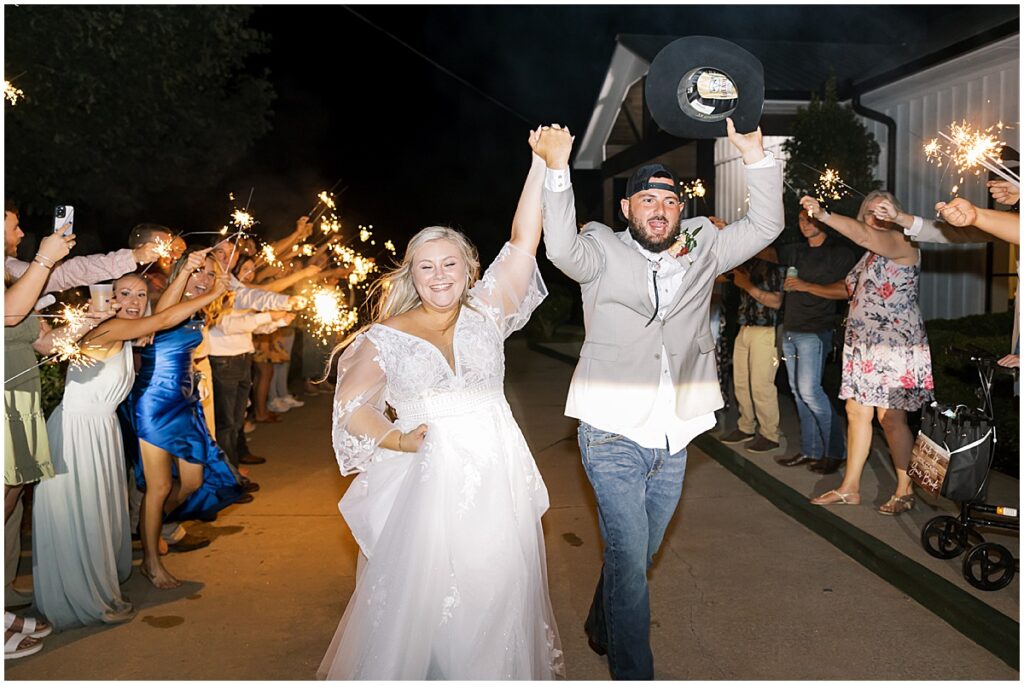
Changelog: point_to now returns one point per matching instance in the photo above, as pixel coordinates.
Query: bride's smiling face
(439, 274)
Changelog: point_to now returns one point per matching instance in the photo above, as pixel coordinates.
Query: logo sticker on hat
(695, 82)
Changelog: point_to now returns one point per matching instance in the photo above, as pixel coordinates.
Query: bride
(447, 506)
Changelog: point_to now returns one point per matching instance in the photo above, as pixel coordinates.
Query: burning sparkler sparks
(11, 93)
(74, 316)
(829, 185)
(365, 232)
(326, 199)
(269, 256)
(242, 219)
(68, 350)
(969, 151)
(695, 189)
(327, 314)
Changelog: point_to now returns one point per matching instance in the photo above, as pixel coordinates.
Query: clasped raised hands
(553, 144)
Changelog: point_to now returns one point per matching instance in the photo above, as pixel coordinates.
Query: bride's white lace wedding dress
(454, 585)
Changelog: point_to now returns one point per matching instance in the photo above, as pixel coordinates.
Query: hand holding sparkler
(297, 302)
(960, 213)
(195, 261)
(813, 208)
(1004, 192)
(957, 212)
(150, 252)
(303, 228)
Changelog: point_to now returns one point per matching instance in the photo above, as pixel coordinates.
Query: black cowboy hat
(696, 82)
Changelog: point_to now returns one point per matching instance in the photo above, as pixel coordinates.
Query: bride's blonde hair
(395, 293)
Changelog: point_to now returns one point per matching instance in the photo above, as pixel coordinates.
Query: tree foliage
(826, 133)
(125, 101)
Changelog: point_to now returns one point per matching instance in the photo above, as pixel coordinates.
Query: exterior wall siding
(982, 87)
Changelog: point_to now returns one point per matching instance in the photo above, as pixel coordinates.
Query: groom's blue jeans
(637, 491)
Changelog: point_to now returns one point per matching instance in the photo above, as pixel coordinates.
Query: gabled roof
(795, 69)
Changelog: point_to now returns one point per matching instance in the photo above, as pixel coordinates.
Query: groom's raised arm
(765, 218)
(579, 258)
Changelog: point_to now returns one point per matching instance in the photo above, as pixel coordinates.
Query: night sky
(415, 147)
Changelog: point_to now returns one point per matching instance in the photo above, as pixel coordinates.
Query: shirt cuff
(915, 228)
(766, 162)
(557, 180)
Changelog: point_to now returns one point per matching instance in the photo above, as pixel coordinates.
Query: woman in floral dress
(887, 367)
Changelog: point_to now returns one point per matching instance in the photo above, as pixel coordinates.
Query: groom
(646, 383)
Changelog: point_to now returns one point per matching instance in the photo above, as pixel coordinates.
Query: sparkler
(695, 189)
(327, 314)
(830, 180)
(330, 225)
(269, 256)
(969, 151)
(11, 93)
(66, 348)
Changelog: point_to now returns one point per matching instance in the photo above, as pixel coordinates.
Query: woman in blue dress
(173, 437)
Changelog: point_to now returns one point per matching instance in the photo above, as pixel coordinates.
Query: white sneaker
(278, 406)
(291, 400)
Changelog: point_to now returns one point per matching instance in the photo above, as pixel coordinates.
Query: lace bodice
(386, 366)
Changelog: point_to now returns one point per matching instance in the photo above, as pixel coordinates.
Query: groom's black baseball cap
(641, 180)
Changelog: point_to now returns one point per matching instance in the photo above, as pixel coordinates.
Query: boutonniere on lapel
(685, 243)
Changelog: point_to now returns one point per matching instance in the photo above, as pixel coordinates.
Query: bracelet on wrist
(38, 260)
(45, 259)
(400, 442)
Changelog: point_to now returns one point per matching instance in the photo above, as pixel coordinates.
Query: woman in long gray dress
(81, 542)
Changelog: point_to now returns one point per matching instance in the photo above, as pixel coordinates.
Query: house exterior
(904, 95)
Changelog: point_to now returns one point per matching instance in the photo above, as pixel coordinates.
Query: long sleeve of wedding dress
(510, 289)
(359, 422)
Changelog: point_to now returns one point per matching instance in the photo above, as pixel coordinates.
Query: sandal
(836, 497)
(19, 645)
(897, 505)
(30, 626)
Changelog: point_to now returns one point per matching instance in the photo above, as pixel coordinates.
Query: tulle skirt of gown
(455, 584)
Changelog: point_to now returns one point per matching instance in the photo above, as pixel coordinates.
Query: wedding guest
(887, 369)
(754, 359)
(232, 370)
(81, 541)
(815, 268)
(453, 584)
(169, 422)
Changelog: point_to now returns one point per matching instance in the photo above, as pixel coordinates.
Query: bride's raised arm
(512, 287)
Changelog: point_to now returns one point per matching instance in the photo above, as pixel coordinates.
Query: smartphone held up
(63, 219)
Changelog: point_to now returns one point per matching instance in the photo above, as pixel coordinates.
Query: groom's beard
(649, 242)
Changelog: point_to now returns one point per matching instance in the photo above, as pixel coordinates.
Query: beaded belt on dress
(462, 401)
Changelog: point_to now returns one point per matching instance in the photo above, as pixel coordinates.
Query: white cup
(101, 294)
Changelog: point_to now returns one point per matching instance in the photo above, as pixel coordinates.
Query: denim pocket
(595, 437)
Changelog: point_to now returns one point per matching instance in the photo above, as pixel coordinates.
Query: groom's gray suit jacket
(621, 357)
